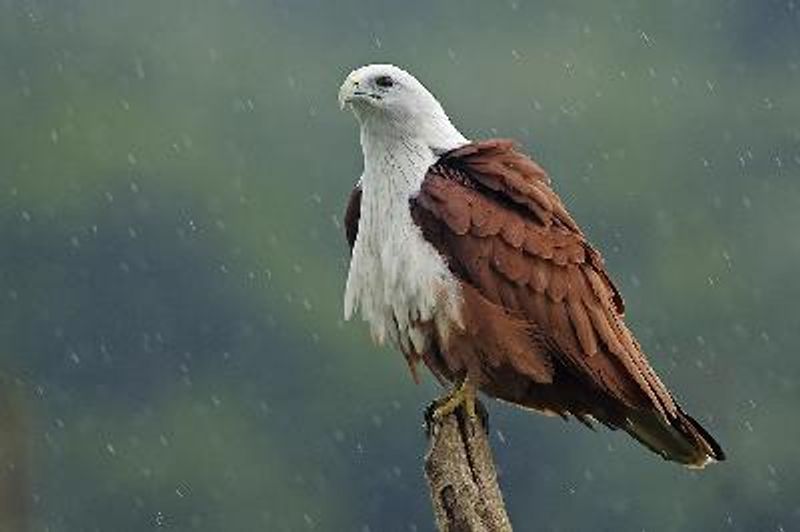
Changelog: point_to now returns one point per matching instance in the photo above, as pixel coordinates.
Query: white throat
(397, 279)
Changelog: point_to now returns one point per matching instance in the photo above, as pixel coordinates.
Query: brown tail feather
(681, 440)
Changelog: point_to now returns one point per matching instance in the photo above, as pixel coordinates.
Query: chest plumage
(397, 280)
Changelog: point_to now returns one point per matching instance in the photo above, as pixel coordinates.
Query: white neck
(398, 152)
(426, 125)
(395, 165)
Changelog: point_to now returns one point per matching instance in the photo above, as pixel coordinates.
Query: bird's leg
(462, 395)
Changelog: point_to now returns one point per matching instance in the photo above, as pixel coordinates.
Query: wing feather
(511, 238)
(544, 311)
(352, 215)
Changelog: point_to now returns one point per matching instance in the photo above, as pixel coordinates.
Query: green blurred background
(172, 349)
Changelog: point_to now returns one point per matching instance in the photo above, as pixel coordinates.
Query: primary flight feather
(465, 258)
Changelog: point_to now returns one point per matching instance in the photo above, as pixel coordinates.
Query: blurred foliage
(172, 266)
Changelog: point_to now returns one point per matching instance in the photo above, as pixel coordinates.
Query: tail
(681, 439)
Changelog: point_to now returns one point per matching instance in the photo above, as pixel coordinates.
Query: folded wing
(490, 211)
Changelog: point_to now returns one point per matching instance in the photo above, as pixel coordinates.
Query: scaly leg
(464, 394)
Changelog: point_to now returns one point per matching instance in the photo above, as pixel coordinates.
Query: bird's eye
(384, 82)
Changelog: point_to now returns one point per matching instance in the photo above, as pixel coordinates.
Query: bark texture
(462, 478)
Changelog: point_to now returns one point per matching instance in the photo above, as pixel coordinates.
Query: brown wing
(490, 211)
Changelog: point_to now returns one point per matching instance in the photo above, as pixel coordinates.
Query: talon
(430, 419)
(464, 395)
(483, 415)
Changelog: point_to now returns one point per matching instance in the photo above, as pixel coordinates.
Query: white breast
(397, 279)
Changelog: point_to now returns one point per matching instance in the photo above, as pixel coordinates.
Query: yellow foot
(463, 395)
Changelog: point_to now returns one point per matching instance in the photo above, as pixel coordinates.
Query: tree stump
(462, 478)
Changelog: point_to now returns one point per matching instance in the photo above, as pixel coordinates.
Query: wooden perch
(462, 478)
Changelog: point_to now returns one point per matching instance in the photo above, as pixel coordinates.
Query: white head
(390, 102)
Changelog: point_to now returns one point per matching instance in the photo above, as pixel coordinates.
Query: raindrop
(501, 437)
(139, 67)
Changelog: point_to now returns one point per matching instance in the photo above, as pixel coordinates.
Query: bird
(464, 258)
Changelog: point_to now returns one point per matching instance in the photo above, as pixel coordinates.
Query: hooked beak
(347, 92)
(350, 92)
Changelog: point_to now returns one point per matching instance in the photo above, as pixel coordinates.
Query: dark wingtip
(713, 447)
(679, 439)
